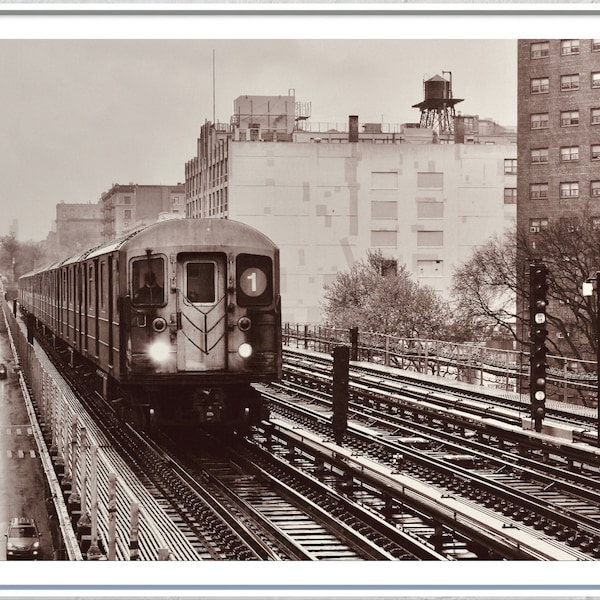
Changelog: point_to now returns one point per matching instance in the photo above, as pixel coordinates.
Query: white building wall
(325, 205)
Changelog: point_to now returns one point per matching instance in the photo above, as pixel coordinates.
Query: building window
(384, 181)
(569, 153)
(596, 152)
(430, 180)
(569, 224)
(569, 118)
(569, 82)
(430, 268)
(127, 199)
(127, 214)
(537, 224)
(569, 47)
(538, 190)
(510, 195)
(539, 155)
(595, 116)
(510, 166)
(569, 189)
(540, 49)
(595, 45)
(539, 121)
(595, 188)
(540, 85)
(596, 79)
(384, 239)
(385, 210)
(430, 238)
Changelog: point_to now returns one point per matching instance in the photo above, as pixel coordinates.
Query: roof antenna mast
(213, 69)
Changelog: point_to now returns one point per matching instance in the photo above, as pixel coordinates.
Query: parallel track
(256, 512)
(561, 503)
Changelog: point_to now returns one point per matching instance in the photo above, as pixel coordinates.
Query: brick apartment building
(558, 133)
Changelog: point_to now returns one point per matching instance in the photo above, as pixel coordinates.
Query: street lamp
(588, 290)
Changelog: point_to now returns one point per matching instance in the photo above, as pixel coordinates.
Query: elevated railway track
(234, 503)
(532, 478)
(419, 475)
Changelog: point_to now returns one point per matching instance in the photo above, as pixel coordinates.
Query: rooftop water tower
(437, 110)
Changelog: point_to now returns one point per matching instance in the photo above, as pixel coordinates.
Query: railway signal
(538, 332)
(341, 367)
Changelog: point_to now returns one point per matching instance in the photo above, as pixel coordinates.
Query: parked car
(22, 539)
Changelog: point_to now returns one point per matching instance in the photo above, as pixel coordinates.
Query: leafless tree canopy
(17, 258)
(378, 297)
(489, 283)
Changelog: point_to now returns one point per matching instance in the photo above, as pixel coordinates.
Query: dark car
(3, 371)
(22, 539)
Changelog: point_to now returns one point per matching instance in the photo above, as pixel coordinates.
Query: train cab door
(202, 312)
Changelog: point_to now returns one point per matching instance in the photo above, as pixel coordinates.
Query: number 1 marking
(252, 278)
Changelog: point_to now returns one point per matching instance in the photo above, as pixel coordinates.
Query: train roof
(41, 269)
(205, 231)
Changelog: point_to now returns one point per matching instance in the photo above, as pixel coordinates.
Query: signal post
(538, 332)
(341, 366)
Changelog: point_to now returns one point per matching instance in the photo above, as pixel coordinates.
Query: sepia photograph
(329, 301)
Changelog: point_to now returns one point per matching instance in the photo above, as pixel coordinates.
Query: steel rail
(438, 465)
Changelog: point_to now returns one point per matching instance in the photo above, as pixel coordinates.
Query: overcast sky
(77, 116)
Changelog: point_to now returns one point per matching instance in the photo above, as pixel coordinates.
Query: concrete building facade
(326, 196)
(77, 226)
(126, 207)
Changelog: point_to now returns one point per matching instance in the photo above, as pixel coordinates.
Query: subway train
(172, 322)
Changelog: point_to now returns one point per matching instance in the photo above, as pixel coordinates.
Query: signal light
(539, 412)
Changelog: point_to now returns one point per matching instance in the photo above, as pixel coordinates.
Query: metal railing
(568, 380)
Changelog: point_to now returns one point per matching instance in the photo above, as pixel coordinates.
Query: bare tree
(485, 286)
(489, 283)
(17, 257)
(378, 297)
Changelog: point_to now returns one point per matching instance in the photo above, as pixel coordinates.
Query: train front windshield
(148, 281)
(200, 284)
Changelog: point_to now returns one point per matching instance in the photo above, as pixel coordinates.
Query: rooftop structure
(327, 193)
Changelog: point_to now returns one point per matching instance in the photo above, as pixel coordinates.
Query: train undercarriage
(232, 408)
(227, 407)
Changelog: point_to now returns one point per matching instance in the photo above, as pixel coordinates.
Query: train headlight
(159, 351)
(245, 350)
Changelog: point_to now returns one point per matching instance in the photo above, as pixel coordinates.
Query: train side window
(200, 282)
(90, 285)
(254, 276)
(148, 277)
(101, 282)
